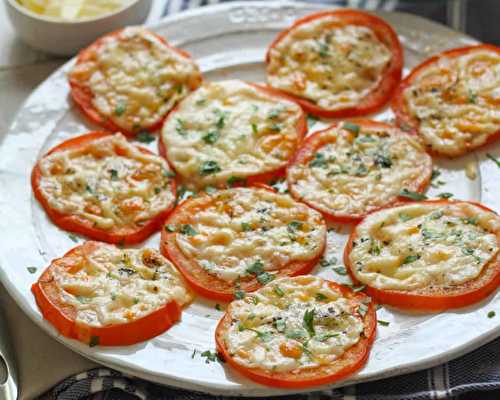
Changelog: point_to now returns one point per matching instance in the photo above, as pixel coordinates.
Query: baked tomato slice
(102, 295)
(298, 332)
(236, 240)
(103, 187)
(427, 256)
(451, 100)
(355, 167)
(229, 132)
(340, 63)
(129, 80)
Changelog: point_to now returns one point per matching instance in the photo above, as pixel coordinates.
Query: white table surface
(42, 362)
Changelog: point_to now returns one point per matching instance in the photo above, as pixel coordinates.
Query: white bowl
(67, 38)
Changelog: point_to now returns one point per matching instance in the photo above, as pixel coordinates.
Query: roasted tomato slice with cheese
(352, 168)
(100, 294)
(130, 79)
(339, 63)
(102, 186)
(453, 100)
(429, 256)
(232, 131)
(236, 240)
(298, 332)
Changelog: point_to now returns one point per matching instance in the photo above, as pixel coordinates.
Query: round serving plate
(230, 41)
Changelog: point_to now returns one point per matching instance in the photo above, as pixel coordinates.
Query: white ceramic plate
(228, 41)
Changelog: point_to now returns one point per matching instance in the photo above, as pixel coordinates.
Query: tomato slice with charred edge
(203, 282)
(398, 105)
(392, 75)
(351, 361)
(83, 96)
(77, 224)
(62, 315)
(313, 142)
(301, 128)
(434, 299)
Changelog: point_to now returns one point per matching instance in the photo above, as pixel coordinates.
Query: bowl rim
(23, 10)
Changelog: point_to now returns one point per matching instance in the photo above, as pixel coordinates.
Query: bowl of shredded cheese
(64, 27)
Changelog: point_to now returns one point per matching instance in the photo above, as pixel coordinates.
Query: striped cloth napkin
(475, 375)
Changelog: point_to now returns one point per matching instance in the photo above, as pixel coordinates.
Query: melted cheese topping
(107, 285)
(455, 100)
(270, 328)
(421, 245)
(328, 62)
(135, 78)
(244, 232)
(108, 182)
(230, 129)
(354, 173)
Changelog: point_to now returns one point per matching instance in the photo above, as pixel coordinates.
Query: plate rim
(190, 383)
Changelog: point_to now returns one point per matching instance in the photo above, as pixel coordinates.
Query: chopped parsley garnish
(127, 271)
(383, 323)
(221, 118)
(280, 325)
(145, 137)
(73, 237)
(404, 217)
(326, 336)
(278, 291)
(256, 268)
(114, 174)
(264, 336)
(358, 288)
(445, 195)
(430, 234)
(362, 309)
(382, 160)
(319, 161)
(308, 322)
(188, 230)
(340, 270)
(491, 314)
(274, 114)
(181, 127)
(323, 49)
(494, 159)
(94, 341)
(170, 228)
(472, 97)
(361, 170)
(120, 109)
(136, 300)
(157, 190)
(321, 297)
(211, 137)
(365, 139)
(410, 259)
(294, 226)
(218, 307)
(351, 127)
(168, 174)
(211, 356)
(209, 168)
(325, 262)
(275, 127)
(31, 270)
(255, 130)
(412, 195)
(245, 227)
(311, 121)
(232, 180)
(265, 277)
(239, 294)
(296, 335)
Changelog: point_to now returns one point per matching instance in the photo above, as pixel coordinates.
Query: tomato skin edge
(361, 351)
(73, 223)
(427, 302)
(380, 96)
(264, 177)
(215, 288)
(307, 147)
(142, 329)
(82, 96)
(398, 104)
